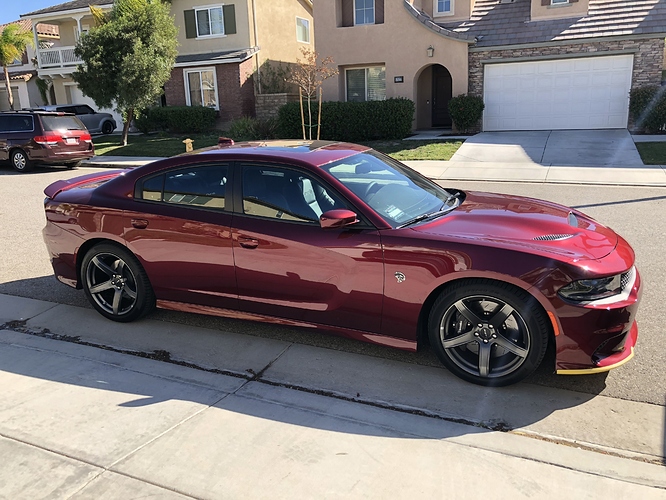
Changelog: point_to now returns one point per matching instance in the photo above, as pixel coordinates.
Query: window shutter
(545, 2)
(379, 11)
(190, 24)
(347, 12)
(229, 12)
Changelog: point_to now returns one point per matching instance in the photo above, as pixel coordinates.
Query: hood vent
(554, 237)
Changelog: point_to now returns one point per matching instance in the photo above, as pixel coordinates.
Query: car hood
(533, 225)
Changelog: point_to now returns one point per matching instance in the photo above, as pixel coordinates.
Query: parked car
(341, 238)
(95, 122)
(31, 137)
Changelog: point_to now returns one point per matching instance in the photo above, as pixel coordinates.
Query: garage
(575, 93)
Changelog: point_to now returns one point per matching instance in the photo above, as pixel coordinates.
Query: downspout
(256, 43)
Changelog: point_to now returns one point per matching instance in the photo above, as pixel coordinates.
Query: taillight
(48, 140)
(86, 138)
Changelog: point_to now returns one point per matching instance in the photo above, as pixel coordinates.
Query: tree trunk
(8, 86)
(309, 118)
(126, 125)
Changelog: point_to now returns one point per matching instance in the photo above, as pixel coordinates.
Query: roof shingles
(495, 24)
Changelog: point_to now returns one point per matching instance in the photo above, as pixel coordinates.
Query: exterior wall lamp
(430, 50)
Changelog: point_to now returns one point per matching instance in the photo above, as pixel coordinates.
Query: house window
(302, 30)
(366, 84)
(210, 21)
(557, 2)
(443, 7)
(201, 88)
(364, 11)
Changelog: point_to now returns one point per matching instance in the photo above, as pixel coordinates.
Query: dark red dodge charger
(342, 238)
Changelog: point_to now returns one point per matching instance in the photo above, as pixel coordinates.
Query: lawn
(162, 145)
(652, 153)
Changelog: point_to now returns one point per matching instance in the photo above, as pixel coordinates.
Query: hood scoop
(553, 237)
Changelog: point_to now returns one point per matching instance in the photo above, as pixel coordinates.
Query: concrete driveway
(596, 148)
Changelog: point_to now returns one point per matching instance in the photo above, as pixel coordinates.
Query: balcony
(59, 57)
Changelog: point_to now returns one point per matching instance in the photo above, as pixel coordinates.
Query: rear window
(53, 123)
(16, 123)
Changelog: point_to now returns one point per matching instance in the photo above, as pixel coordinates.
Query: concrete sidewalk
(248, 417)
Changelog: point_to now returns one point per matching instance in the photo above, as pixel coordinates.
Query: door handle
(246, 242)
(140, 223)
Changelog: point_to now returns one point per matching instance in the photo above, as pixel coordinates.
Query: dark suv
(29, 137)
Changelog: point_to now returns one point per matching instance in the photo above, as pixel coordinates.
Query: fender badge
(399, 276)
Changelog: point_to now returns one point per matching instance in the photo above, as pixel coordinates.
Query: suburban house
(220, 47)
(56, 61)
(22, 73)
(537, 64)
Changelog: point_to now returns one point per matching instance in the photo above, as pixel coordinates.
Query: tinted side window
(203, 186)
(82, 110)
(286, 194)
(16, 123)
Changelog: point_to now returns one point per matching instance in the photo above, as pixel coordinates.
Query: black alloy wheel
(20, 161)
(116, 284)
(107, 128)
(488, 332)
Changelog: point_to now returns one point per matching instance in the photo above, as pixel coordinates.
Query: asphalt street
(634, 212)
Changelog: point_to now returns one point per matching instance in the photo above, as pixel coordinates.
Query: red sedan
(342, 238)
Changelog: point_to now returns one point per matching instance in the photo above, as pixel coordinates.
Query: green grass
(652, 153)
(164, 145)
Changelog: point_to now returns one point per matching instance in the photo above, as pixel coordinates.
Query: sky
(11, 10)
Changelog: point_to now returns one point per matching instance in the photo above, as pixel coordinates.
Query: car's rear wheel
(107, 128)
(116, 284)
(488, 332)
(20, 161)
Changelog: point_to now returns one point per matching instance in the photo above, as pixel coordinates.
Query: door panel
(288, 266)
(442, 91)
(182, 235)
(303, 272)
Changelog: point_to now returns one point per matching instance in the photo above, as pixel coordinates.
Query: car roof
(39, 111)
(315, 153)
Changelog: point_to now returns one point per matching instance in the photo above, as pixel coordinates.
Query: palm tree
(13, 42)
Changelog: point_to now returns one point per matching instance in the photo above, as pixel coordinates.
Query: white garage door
(581, 93)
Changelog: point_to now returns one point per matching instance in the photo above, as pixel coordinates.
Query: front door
(288, 266)
(442, 91)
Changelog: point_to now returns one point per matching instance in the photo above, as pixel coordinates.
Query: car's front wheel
(107, 128)
(116, 284)
(488, 332)
(20, 161)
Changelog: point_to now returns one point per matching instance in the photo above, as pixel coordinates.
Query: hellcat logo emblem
(399, 276)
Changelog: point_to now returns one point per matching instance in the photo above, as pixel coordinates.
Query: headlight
(593, 289)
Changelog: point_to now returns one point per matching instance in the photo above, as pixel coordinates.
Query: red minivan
(31, 137)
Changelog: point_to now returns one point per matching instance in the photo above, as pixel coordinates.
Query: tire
(115, 283)
(75, 164)
(488, 332)
(20, 161)
(107, 128)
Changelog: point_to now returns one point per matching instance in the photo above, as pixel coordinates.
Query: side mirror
(337, 218)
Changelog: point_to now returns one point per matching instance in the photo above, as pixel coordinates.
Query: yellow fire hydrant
(188, 145)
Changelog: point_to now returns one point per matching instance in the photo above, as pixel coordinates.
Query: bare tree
(309, 74)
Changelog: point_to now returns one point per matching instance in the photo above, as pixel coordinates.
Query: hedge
(176, 119)
(351, 121)
(466, 111)
(647, 107)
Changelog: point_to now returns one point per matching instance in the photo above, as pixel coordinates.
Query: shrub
(251, 129)
(176, 119)
(466, 111)
(351, 121)
(647, 107)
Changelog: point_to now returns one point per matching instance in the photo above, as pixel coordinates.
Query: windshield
(54, 123)
(399, 195)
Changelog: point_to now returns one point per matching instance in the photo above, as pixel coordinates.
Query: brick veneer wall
(269, 104)
(235, 89)
(648, 58)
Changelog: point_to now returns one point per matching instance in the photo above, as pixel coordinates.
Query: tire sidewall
(525, 304)
(145, 298)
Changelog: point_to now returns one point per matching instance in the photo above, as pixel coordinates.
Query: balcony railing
(59, 57)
